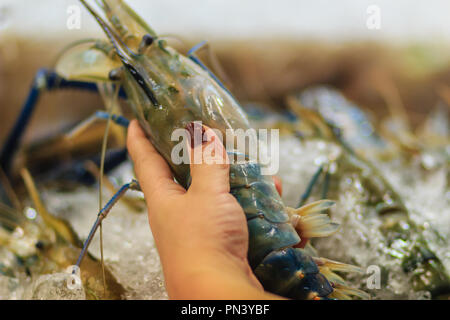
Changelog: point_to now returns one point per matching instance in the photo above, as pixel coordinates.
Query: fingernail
(197, 134)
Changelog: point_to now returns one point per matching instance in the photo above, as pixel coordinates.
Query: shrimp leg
(310, 186)
(99, 115)
(192, 55)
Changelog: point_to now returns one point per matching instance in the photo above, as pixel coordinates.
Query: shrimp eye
(115, 74)
(40, 245)
(146, 42)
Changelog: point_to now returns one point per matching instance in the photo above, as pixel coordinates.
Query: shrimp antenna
(121, 48)
(71, 46)
(124, 53)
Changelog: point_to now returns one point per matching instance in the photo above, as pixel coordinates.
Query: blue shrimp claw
(44, 80)
(134, 185)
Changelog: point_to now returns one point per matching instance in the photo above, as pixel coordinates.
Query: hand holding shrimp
(201, 234)
(168, 91)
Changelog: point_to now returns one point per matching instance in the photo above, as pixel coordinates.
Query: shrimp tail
(279, 265)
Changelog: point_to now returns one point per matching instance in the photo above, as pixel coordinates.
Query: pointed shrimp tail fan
(342, 292)
(337, 266)
(310, 222)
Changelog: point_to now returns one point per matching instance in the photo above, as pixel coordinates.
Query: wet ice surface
(129, 248)
(10, 288)
(56, 286)
(131, 255)
(359, 240)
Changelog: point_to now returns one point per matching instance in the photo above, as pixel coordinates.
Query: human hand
(201, 234)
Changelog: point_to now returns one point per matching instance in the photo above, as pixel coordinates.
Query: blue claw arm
(45, 80)
(134, 185)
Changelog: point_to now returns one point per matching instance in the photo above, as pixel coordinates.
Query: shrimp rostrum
(167, 91)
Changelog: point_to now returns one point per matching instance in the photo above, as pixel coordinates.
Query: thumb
(210, 168)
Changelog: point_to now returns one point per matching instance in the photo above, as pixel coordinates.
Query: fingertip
(137, 140)
(136, 146)
(132, 125)
(210, 167)
(131, 132)
(135, 130)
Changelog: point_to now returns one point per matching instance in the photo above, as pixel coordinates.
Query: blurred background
(371, 50)
(401, 20)
(390, 57)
